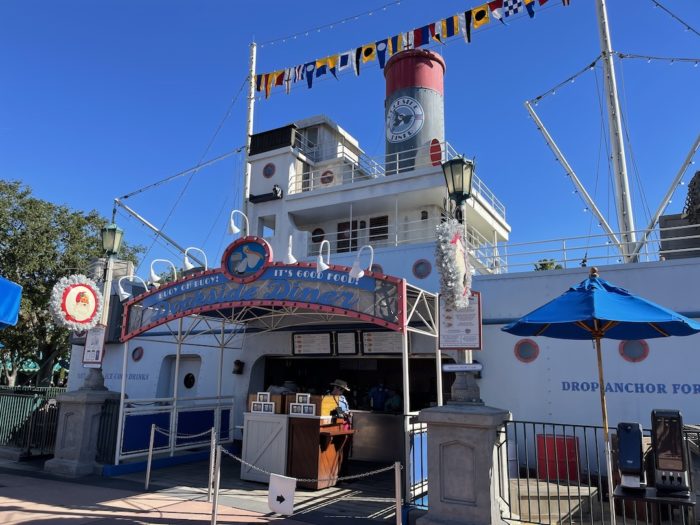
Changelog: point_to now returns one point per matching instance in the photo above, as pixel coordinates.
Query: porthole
(137, 353)
(526, 350)
(327, 177)
(422, 268)
(269, 170)
(377, 268)
(318, 235)
(189, 380)
(634, 351)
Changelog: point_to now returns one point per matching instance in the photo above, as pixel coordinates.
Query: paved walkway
(26, 498)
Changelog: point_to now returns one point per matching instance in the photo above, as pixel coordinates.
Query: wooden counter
(316, 451)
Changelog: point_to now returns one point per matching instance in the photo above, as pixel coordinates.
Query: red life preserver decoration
(76, 303)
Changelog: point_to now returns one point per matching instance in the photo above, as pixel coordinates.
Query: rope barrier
(311, 480)
(182, 435)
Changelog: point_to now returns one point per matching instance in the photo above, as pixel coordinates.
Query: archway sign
(248, 282)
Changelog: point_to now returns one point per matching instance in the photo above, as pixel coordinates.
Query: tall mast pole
(249, 126)
(625, 216)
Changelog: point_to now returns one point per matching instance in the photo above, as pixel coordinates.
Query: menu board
(381, 343)
(461, 328)
(308, 344)
(347, 343)
(94, 347)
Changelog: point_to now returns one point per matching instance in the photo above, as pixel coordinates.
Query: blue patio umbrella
(10, 296)
(595, 309)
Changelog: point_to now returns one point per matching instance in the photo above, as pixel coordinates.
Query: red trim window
(526, 350)
(634, 351)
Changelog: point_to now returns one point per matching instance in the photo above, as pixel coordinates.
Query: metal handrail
(355, 166)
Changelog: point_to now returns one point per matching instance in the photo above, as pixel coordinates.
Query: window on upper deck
(378, 228)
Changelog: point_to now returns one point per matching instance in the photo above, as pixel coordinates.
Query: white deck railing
(338, 164)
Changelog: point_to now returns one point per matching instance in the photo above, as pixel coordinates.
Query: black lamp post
(459, 173)
(111, 241)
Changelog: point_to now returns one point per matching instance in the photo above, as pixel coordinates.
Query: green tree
(41, 242)
(547, 264)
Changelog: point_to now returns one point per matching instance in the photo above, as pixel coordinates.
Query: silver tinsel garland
(57, 298)
(451, 256)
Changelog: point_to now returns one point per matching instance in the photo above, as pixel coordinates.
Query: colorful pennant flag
(421, 36)
(512, 7)
(383, 49)
(530, 6)
(435, 31)
(467, 27)
(480, 16)
(450, 26)
(395, 44)
(345, 60)
(309, 68)
(369, 53)
(495, 6)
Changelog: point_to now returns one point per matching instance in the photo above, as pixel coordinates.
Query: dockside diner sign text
(248, 278)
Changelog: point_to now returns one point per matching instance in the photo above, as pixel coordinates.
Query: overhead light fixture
(356, 272)
(233, 229)
(111, 238)
(290, 259)
(188, 264)
(123, 294)
(322, 266)
(155, 277)
(459, 173)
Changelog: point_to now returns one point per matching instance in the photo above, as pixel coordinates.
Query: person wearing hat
(342, 406)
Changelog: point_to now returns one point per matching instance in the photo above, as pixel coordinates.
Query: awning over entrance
(250, 289)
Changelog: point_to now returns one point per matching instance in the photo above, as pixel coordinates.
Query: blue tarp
(10, 295)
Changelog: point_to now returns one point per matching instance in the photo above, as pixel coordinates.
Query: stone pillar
(76, 439)
(461, 457)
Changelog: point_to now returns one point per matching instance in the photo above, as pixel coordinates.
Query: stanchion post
(212, 461)
(217, 479)
(150, 456)
(397, 486)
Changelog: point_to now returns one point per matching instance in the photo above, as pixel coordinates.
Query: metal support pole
(406, 404)
(176, 383)
(217, 481)
(150, 457)
(625, 214)
(667, 198)
(249, 126)
(397, 487)
(212, 463)
(438, 371)
(579, 186)
(122, 395)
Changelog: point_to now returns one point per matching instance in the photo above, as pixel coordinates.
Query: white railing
(590, 250)
(485, 254)
(343, 165)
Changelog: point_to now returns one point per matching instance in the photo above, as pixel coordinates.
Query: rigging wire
(206, 151)
(563, 83)
(650, 58)
(678, 19)
(633, 158)
(329, 25)
(183, 173)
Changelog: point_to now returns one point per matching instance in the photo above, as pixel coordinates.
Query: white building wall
(557, 386)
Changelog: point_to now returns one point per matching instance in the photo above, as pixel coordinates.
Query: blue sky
(98, 99)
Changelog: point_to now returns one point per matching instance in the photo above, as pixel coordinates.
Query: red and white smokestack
(414, 107)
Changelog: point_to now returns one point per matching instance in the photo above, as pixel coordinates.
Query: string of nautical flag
(381, 50)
